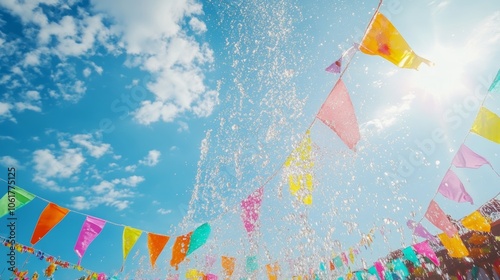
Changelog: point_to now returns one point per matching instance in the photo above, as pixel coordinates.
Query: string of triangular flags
(53, 214)
(486, 125)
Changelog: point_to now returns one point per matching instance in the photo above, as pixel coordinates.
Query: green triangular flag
(22, 198)
(199, 237)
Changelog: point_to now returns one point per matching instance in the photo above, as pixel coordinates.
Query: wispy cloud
(151, 159)
(9, 161)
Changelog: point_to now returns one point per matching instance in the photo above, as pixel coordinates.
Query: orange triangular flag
(50, 217)
(272, 271)
(156, 243)
(179, 250)
(228, 265)
(454, 245)
(476, 221)
(383, 39)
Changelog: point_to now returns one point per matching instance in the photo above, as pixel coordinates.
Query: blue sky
(164, 115)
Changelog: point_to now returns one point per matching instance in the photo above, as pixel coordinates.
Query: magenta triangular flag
(438, 218)
(250, 207)
(451, 187)
(467, 158)
(425, 250)
(338, 113)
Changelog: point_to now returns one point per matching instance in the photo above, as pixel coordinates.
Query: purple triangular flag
(467, 158)
(451, 187)
(419, 230)
(336, 67)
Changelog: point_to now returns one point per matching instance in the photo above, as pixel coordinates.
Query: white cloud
(387, 117)
(104, 193)
(131, 181)
(5, 112)
(183, 126)
(94, 148)
(48, 165)
(164, 211)
(21, 106)
(130, 168)
(86, 72)
(197, 25)
(9, 161)
(151, 159)
(3, 137)
(97, 68)
(32, 95)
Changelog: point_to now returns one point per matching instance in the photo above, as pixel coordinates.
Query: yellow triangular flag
(476, 221)
(130, 236)
(383, 39)
(300, 163)
(487, 125)
(454, 245)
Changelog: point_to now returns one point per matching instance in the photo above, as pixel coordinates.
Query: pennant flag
(179, 250)
(273, 271)
(424, 249)
(250, 207)
(338, 114)
(410, 255)
(467, 158)
(487, 125)
(438, 218)
(194, 274)
(332, 266)
(252, 264)
(344, 258)
(452, 188)
(210, 276)
(454, 245)
(420, 230)
(380, 269)
(228, 265)
(373, 271)
(322, 266)
(156, 243)
(351, 255)
(338, 262)
(337, 65)
(209, 261)
(383, 39)
(300, 164)
(130, 236)
(495, 86)
(400, 268)
(199, 237)
(477, 222)
(22, 198)
(50, 217)
(173, 277)
(91, 228)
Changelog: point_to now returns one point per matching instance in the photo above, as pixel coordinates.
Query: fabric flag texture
(373, 271)
(50, 217)
(383, 39)
(410, 255)
(210, 276)
(477, 222)
(487, 125)
(400, 268)
(209, 261)
(454, 245)
(380, 269)
(91, 228)
(420, 230)
(130, 237)
(424, 249)
(338, 114)
(228, 264)
(22, 198)
(179, 250)
(495, 86)
(452, 188)
(250, 207)
(199, 237)
(336, 67)
(467, 158)
(156, 243)
(338, 262)
(273, 271)
(438, 218)
(299, 164)
(252, 264)
(194, 274)
(351, 255)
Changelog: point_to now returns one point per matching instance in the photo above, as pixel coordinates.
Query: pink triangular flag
(467, 158)
(438, 218)
(250, 207)
(425, 250)
(451, 187)
(421, 231)
(338, 113)
(380, 269)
